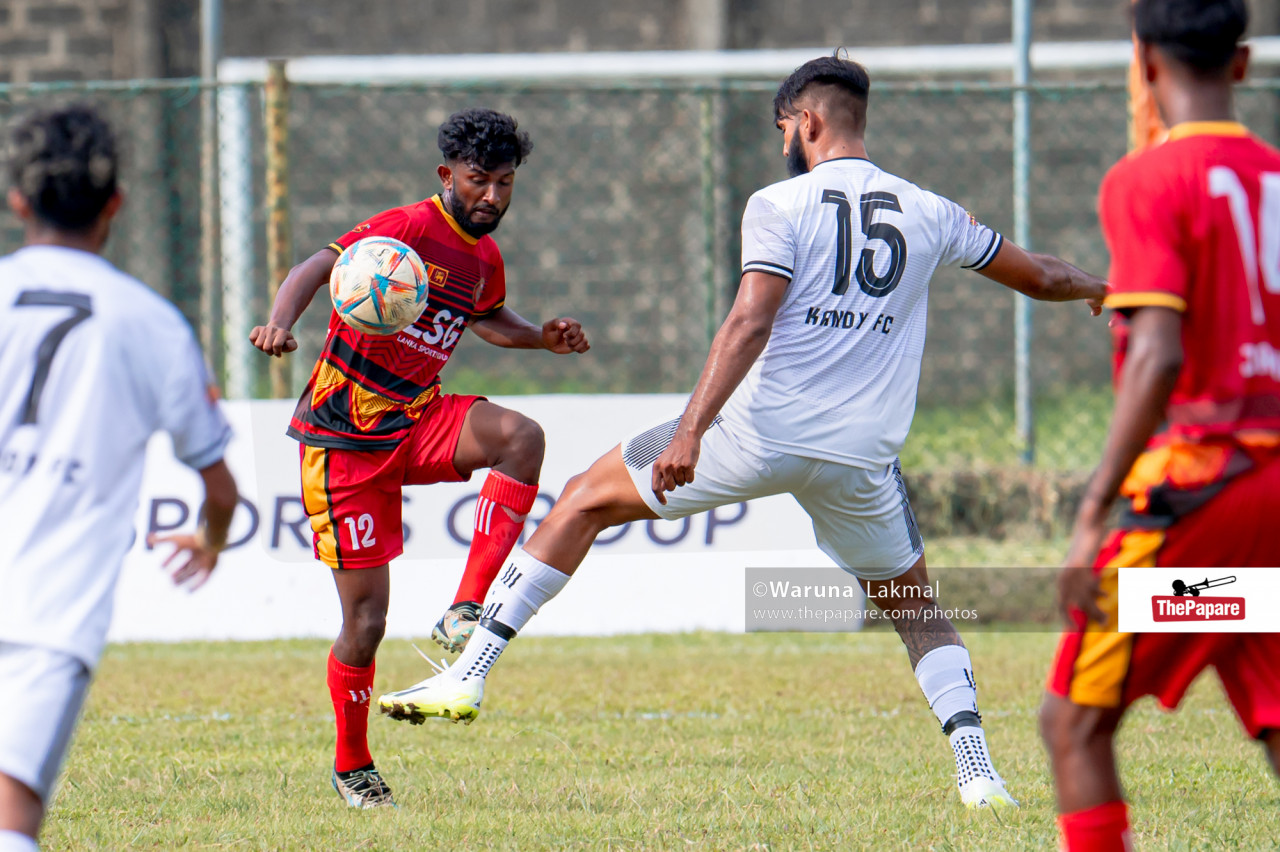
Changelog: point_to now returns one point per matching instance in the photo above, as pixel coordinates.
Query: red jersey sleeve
(393, 223)
(493, 295)
(1141, 221)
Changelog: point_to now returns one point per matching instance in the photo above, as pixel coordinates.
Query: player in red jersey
(1192, 226)
(373, 419)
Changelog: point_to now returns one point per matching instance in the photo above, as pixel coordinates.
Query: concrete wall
(64, 40)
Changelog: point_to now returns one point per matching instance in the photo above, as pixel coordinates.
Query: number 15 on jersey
(869, 204)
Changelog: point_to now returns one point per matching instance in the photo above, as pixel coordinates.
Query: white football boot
(440, 696)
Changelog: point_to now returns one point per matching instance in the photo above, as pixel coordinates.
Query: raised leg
(945, 673)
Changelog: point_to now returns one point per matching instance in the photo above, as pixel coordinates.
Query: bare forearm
(1044, 277)
(300, 287)
(292, 299)
(736, 347)
(1145, 386)
(510, 331)
(220, 500)
(1062, 282)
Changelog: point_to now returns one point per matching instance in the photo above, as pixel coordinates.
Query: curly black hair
(835, 70)
(64, 161)
(484, 137)
(1202, 34)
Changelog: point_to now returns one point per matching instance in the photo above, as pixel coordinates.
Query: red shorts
(353, 496)
(1098, 667)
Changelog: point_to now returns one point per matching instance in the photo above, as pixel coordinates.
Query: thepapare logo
(1185, 604)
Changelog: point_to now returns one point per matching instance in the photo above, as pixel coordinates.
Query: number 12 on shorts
(360, 531)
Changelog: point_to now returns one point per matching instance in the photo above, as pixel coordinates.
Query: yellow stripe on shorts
(316, 503)
(1103, 662)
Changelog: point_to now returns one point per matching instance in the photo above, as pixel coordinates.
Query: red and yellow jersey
(1193, 224)
(366, 391)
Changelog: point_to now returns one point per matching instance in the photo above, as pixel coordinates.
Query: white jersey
(93, 363)
(838, 377)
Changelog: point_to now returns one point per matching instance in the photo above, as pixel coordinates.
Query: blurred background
(627, 214)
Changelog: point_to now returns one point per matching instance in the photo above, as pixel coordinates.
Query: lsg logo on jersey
(1186, 604)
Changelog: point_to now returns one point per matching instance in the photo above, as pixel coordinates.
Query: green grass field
(695, 741)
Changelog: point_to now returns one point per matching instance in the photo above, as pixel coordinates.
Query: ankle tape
(963, 719)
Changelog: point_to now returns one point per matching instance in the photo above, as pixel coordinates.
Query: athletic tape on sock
(946, 678)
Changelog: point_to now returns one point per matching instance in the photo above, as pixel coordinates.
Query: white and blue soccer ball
(379, 286)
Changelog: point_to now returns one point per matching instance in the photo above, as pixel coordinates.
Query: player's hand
(272, 339)
(1078, 587)
(563, 335)
(675, 466)
(1078, 592)
(195, 556)
(1095, 301)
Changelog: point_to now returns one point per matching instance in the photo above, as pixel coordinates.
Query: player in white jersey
(94, 363)
(809, 389)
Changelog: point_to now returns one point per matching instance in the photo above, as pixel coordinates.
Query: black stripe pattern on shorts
(643, 450)
(913, 529)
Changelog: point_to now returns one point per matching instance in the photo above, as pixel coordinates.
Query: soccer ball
(379, 286)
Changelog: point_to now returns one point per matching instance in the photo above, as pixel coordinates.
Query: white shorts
(861, 518)
(43, 692)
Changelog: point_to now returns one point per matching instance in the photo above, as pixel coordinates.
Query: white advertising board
(654, 576)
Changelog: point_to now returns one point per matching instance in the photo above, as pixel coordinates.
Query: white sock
(12, 841)
(515, 596)
(520, 590)
(946, 678)
(972, 758)
(478, 657)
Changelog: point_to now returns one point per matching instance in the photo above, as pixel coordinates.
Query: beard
(797, 163)
(475, 229)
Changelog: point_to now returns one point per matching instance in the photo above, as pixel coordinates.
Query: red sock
(1104, 828)
(350, 688)
(495, 532)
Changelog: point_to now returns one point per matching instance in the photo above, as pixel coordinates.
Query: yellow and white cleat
(987, 793)
(441, 696)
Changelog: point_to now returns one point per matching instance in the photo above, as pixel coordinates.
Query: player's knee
(526, 445)
(576, 496)
(367, 629)
(1050, 720)
(1066, 727)
(585, 502)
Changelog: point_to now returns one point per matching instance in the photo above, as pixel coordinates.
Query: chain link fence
(626, 217)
